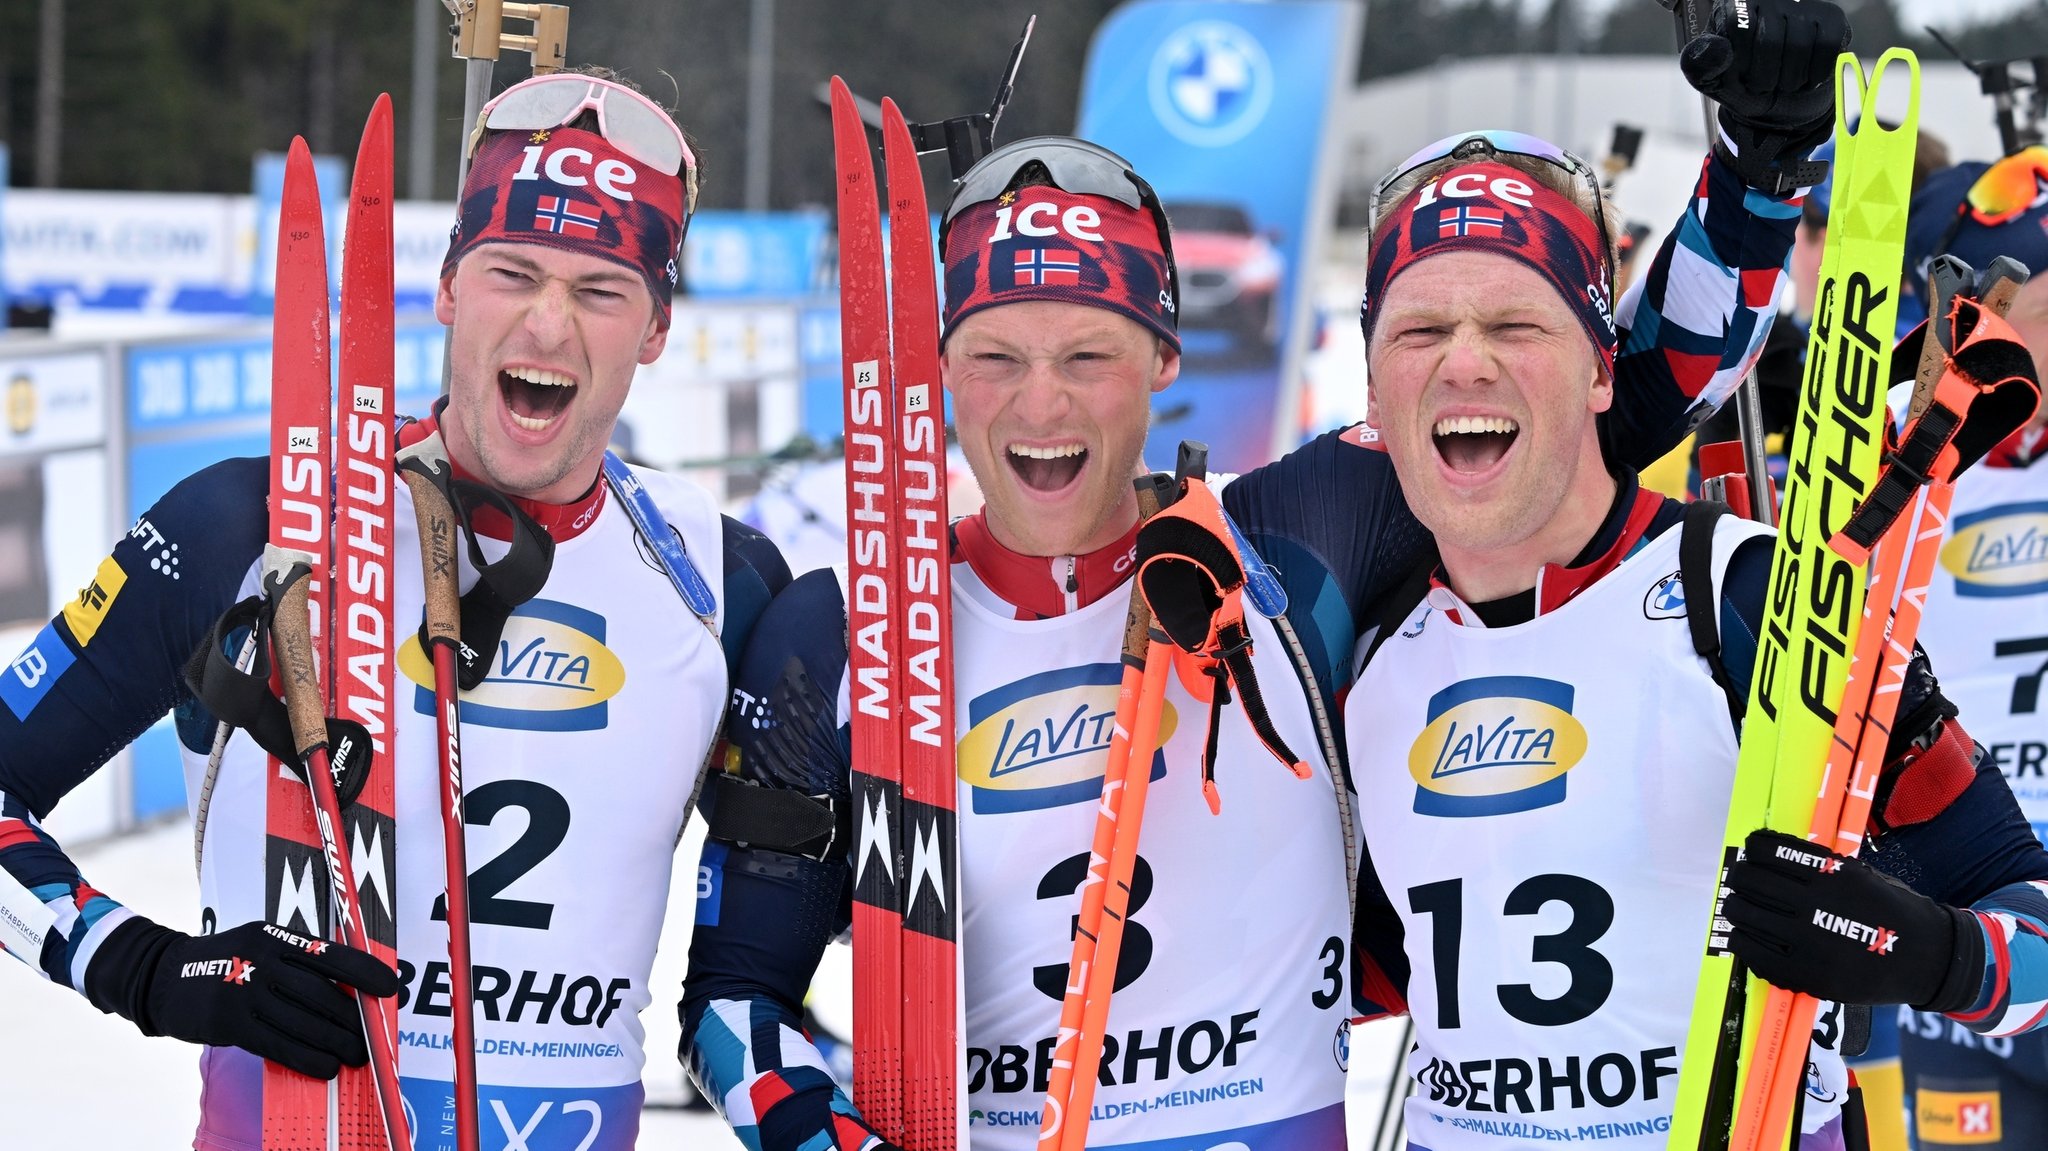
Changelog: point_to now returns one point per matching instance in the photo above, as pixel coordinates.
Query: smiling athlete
(1236, 975)
(556, 286)
(1544, 745)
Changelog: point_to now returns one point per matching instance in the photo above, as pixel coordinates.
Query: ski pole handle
(291, 637)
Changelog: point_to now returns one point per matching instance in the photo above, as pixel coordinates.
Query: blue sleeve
(102, 671)
(1330, 519)
(763, 916)
(754, 574)
(1696, 319)
(1977, 851)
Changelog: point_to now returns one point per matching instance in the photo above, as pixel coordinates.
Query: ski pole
(1115, 886)
(424, 466)
(1138, 650)
(1392, 1114)
(1749, 404)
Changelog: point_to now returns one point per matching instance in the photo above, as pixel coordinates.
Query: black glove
(1774, 80)
(257, 987)
(1809, 920)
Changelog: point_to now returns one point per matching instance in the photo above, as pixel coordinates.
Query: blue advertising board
(732, 255)
(1225, 109)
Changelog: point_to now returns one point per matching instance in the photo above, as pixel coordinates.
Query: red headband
(570, 189)
(1489, 207)
(1042, 243)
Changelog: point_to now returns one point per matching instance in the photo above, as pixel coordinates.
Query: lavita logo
(1496, 745)
(551, 672)
(2000, 551)
(1043, 741)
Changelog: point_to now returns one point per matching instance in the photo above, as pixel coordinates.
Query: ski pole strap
(501, 585)
(815, 827)
(667, 545)
(242, 699)
(1192, 572)
(1986, 392)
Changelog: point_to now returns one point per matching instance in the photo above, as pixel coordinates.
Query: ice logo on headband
(611, 176)
(1471, 185)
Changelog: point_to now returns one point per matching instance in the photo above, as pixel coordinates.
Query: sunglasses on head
(1490, 142)
(626, 119)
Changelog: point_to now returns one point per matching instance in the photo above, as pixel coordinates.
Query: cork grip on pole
(292, 642)
(437, 558)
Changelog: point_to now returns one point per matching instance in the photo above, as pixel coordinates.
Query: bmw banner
(1225, 108)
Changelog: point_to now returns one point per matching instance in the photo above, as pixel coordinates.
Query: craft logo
(1211, 83)
(2000, 551)
(1495, 745)
(1043, 741)
(551, 672)
(1957, 1118)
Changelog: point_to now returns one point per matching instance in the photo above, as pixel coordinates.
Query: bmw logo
(1211, 83)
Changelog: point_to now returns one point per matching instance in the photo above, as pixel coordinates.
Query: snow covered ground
(71, 1077)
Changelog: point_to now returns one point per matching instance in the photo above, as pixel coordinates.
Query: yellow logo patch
(2000, 551)
(1957, 1118)
(551, 672)
(88, 611)
(1043, 741)
(1495, 745)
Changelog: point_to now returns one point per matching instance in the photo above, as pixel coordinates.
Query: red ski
(304, 854)
(871, 601)
(360, 684)
(907, 1052)
(934, 1119)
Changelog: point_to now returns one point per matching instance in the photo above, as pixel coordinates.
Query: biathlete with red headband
(1545, 742)
(583, 745)
(1239, 965)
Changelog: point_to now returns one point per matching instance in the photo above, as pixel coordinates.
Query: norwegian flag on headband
(1045, 266)
(1043, 243)
(570, 189)
(567, 216)
(1468, 220)
(1490, 207)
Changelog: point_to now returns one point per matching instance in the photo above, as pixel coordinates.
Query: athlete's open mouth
(1047, 469)
(1472, 444)
(535, 396)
